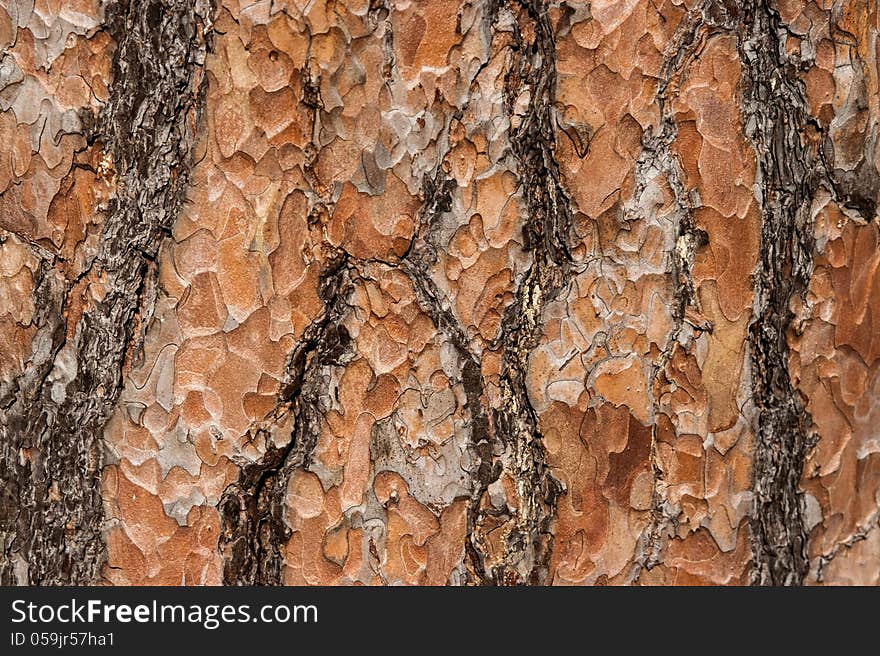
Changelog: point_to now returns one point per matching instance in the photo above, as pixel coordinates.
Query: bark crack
(416, 263)
(252, 509)
(529, 97)
(860, 535)
(789, 173)
(52, 424)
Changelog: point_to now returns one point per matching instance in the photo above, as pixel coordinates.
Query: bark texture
(440, 292)
(55, 410)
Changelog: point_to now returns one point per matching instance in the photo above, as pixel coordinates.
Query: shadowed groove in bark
(254, 532)
(56, 413)
(776, 120)
(532, 136)
(253, 528)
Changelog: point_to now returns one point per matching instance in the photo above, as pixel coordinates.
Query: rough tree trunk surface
(439, 292)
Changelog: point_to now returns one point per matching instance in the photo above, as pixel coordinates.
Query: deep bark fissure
(57, 412)
(789, 173)
(532, 135)
(254, 530)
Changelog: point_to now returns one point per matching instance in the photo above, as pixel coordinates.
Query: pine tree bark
(439, 292)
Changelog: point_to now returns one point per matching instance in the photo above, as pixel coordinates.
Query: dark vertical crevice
(52, 422)
(254, 531)
(24, 466)
(532, 135)
(789, 172)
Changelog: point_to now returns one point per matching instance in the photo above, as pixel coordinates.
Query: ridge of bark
(437, 199)
(657, 155)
